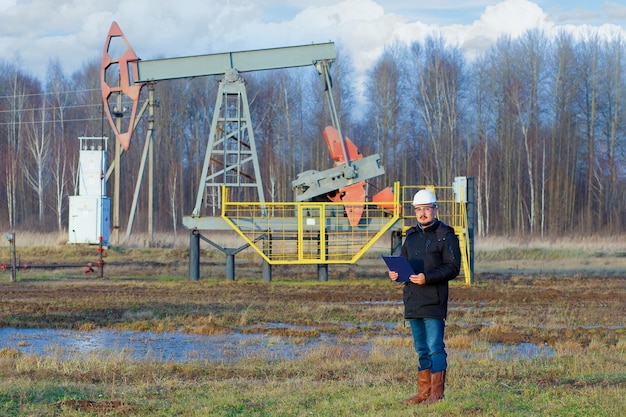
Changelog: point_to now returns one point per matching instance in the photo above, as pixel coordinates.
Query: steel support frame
(231, 148)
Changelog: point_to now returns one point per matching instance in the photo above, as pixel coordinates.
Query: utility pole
(11, 239)
(118, 113)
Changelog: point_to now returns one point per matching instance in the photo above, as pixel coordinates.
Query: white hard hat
(424, 197)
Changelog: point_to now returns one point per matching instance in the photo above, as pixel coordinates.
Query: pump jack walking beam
(243, 61)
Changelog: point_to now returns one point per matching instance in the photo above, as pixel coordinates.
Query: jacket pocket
(417, 296)
(427, 295)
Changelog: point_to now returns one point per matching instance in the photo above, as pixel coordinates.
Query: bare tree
(21, 90)
(612, 89)
(59, 174)
(524, 95)
(483, 125)
(59, 101)
(438, 72)
(500, 121)
(564, 142)
(589, 55)
(383, 94)
(173, 186)
(38, 146)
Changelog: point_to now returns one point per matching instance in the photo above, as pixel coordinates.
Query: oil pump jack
(231, 163)
(231, 158)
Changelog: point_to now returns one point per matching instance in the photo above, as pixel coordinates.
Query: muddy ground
(578, 300)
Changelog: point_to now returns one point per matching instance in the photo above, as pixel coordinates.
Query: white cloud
(511, 17)
(75, 30)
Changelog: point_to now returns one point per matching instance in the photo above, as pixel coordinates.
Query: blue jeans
(429, 345)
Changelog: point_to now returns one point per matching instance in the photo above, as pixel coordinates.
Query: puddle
(157, 346)
(519, 351)
(183, 347)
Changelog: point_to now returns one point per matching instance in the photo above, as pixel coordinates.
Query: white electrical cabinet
(90, 210)
(92, 166)
(459, 187)
(90, 218)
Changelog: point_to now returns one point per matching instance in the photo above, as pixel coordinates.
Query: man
(426, 295)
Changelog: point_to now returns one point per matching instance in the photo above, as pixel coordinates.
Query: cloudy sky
(32, 32)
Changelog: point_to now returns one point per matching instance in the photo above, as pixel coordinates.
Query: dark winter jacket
(442, 262)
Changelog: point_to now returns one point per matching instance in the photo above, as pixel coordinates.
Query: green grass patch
(330, 382)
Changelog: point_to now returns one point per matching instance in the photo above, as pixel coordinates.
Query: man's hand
(393, 275)
(419, 279)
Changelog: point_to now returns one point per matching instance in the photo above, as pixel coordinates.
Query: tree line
(538, 121)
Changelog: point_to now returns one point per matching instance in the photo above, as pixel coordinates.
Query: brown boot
(438, 382)
(423, 388)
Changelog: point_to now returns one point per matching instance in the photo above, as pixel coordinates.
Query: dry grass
(136, 240)
(598, 243)
(579, 315)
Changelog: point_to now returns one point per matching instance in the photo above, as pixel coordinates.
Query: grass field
(567, 298)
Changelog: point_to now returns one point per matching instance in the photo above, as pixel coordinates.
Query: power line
(29, 109)
(93, 119)
(55, 108)
(49, 93)
(85, 107)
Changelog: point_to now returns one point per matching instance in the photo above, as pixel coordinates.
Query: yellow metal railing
(452, 213)
(308, 232)
(320, 233)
